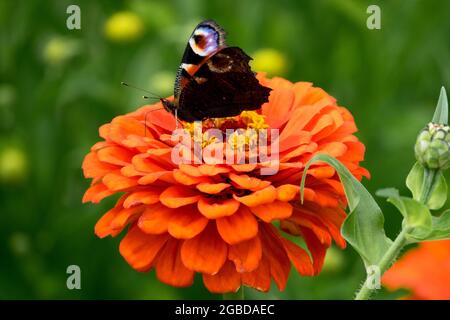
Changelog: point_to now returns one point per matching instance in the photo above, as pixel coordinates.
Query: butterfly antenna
(151, 94)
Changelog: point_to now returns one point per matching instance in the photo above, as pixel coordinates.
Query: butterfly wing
(223, 86)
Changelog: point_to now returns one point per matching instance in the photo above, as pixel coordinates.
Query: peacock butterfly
(214, 80)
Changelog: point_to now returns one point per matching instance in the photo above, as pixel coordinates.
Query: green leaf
(363, 227)
(441, 227)
(416, 183)
(438, 193)
(441, 113)
(387, 193)
(414, 180)
(417, 217)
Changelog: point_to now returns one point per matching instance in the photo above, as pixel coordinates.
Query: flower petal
(178, 196)
(186, 223)
(266, 195)
(299, 257)
(140, 249)
(238, 227)
(316, 248)
(183, 178)
(259, 278)
(212, 188)
(273, 211)
(287, 192)
(117, 182)
(96, 193)
(93, 167)
(226, 280)
(205, 253)
(213, 208)
(246, 255)
(115, 155)
(155, 219)
(142, 197)
(169, 267)
(274, 251)
(246, 182)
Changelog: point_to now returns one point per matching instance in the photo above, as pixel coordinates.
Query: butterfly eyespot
(198, 38)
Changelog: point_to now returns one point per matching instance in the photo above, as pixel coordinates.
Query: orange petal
(178, 196)
(322, 172)
(266, 195)
(302, 218)
(246, 255)
(169, 267)
(213, 208)
(244, 167)
(238, 227)
(117, 182)
(274, 251)
(125, 216)
(103, 226)
(299, 258)
(96, 193)
(205, 253)
(115, 155)
(316, 248)
(142, 197)
(152, 177)
(186, 223)
(248, 183)
(155, 219)
(212, 188)
(93, 167)
(123, 126)
(258, 279)
(183, 178)
(140, 249)
(203, 170)
(273, 211)
(226, 280)
(287, 192)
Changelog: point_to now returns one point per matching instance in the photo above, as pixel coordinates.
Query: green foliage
(58, 86)
(364, 226)
(417, 182)
(441, 113)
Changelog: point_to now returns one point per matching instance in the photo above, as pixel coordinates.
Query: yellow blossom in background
(13, 165)
(59, 49)
(124, 26)
(269, 60)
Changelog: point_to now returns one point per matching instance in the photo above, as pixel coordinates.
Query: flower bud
(433, 146)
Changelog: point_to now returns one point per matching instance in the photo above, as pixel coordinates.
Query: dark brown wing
(223, 87)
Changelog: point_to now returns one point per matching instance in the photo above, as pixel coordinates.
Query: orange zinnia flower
(424, 270)
(218, 219)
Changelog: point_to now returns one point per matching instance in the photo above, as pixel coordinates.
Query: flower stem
(238, 295)
(428, 181)
(388, 258)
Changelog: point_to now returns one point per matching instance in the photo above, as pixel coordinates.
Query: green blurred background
(57, 86)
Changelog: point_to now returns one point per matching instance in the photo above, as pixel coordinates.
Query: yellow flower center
(247, 128)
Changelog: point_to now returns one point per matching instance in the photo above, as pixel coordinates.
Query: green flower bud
(433, 146)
